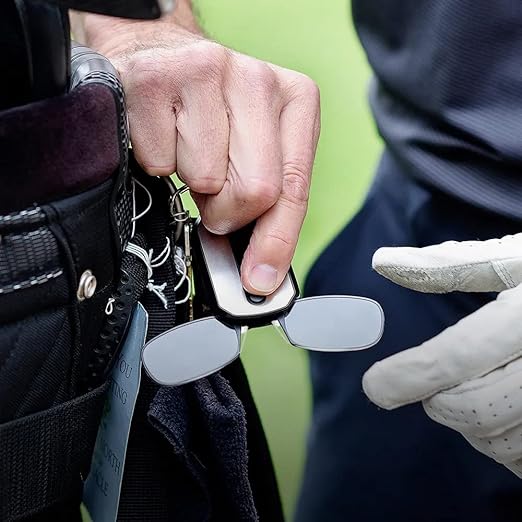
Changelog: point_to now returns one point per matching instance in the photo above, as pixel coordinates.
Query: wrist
(106, 33)
(96, 31)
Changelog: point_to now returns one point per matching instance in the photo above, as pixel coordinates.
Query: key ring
(176, 209)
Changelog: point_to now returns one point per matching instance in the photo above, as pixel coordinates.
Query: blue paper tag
(103, 485)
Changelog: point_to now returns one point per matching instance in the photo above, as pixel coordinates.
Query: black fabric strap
(43, 456)
(150, 460)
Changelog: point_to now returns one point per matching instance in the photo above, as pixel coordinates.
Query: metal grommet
(86, 286)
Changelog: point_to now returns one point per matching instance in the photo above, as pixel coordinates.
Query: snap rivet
(86, 286)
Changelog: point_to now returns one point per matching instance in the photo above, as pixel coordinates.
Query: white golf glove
(469, 377)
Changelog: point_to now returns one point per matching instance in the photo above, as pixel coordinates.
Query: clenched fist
(241, 133)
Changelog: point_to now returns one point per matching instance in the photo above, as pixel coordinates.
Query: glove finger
(486, 407)
(481, 342)
(469, 266)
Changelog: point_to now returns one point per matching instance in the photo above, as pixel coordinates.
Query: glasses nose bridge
(202, 347)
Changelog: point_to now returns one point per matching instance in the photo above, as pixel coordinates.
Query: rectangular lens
(334, 323)
(190, 351)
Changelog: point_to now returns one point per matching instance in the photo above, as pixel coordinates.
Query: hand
(469, 377)
(241, 133)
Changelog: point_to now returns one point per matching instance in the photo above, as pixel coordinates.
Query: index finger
(274, 239)
(481, 342)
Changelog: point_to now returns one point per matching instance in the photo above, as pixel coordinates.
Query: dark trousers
(366, 464)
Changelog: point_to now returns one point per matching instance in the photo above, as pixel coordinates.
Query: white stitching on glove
(469, 377)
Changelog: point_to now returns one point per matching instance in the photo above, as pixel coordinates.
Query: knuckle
(266, 78)
(311, 91)
(302, 92)
(200, 62)
(210, 51)
(260, 191)
(203, 184)
(295, 185)
(205, 60)
(306, 88)
(259, 76)
(284, 242)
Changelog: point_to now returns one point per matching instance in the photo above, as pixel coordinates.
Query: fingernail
(263, 278)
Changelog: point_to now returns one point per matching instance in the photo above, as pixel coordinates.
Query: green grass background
(316, 38)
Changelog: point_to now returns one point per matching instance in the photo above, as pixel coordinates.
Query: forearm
(95, 30)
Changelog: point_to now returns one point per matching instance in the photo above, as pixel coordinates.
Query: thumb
(468, 266)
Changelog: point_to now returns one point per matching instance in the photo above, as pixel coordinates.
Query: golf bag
(86, 235)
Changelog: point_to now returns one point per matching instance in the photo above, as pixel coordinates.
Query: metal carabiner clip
(197, 349)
